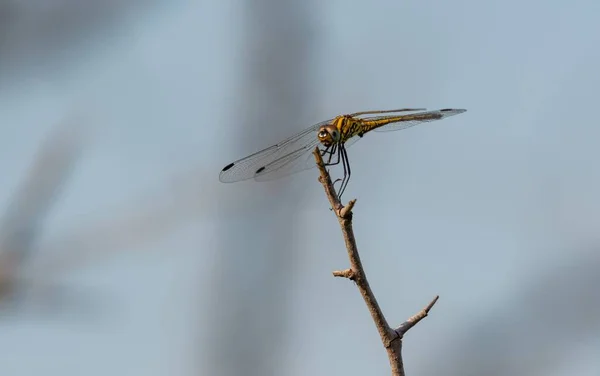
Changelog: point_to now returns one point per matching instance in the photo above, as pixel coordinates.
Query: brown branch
(391, 338)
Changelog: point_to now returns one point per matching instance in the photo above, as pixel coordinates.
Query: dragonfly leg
(336, 181)
(337, 150)
(331, 151)
(347, 171)
(342, 156)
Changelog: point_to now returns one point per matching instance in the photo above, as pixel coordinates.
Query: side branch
(414, 320)
(391, 338)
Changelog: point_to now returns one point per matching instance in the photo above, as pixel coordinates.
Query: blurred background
(121, 252)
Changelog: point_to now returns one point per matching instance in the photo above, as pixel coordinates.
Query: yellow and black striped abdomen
(369, 125)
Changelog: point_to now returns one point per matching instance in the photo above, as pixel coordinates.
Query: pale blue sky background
(496, 210)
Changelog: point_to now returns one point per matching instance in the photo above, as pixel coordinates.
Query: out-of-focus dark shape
(183, 198)
(249, 314)
(530, 334)
(23, 220)
(37, 35)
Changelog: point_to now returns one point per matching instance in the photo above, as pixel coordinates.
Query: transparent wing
(276, 157)
(387, 111)
(407, 121)
(297, 161)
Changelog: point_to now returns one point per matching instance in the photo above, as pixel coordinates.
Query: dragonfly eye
(328, 135)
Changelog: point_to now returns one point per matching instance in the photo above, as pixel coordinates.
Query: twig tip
(432, 303)
(346, 211)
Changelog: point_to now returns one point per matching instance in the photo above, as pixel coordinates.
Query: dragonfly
(332, 137)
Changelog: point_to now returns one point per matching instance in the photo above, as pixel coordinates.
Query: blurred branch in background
(123, 227)
(39, 34)
(182, 199)
(530, 334)
(139, 221)
(23, 220)
(250, 307)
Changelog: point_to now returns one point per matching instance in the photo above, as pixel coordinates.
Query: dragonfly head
(328, 135)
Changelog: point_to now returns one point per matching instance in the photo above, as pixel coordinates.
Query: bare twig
(391, 338)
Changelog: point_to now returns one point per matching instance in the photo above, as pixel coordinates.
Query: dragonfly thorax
(328, 135)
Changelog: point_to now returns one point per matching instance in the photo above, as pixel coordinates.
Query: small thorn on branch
(347, 273)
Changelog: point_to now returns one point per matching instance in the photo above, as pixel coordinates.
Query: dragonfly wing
(417, 118)
(387, 111)
(296, 161)
(275, 157)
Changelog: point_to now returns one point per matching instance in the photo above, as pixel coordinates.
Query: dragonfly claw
(335, 181)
